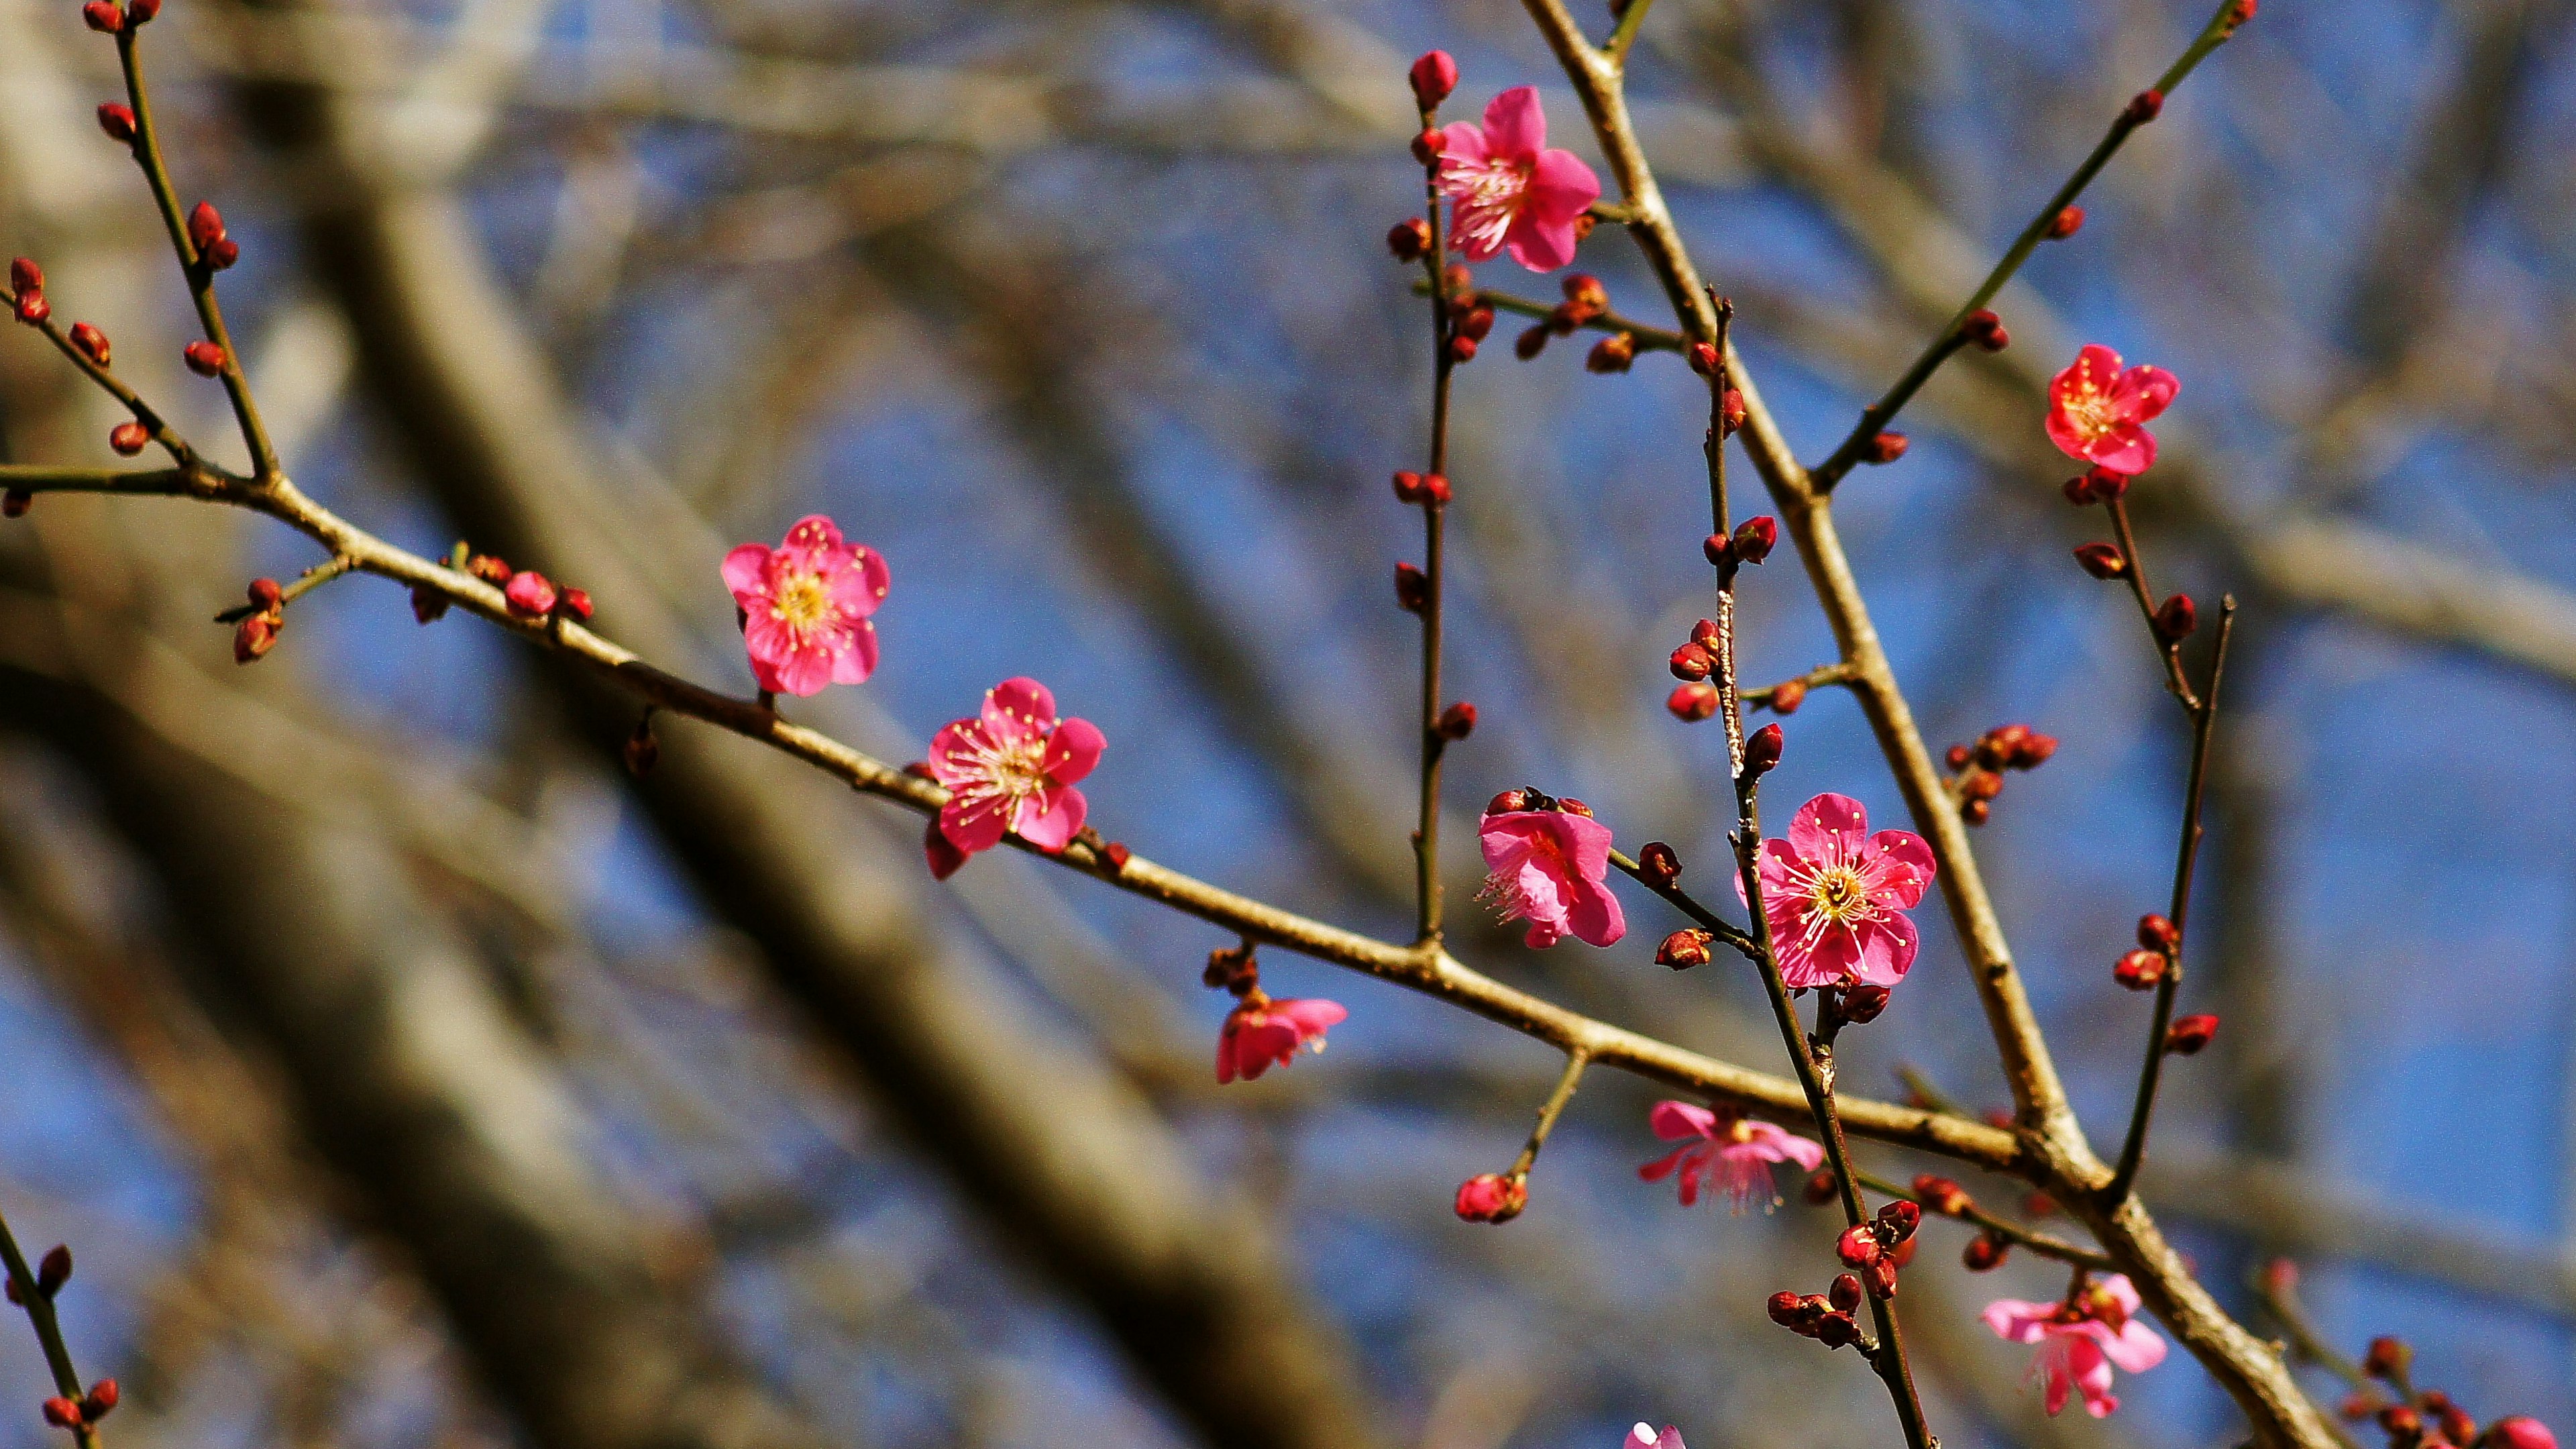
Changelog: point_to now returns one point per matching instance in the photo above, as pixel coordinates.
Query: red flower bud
(1858, 1247)
(128, 439)
(1984, 1253)
(1531, 342)
(2190, 1034)
(255, 636)
(2176, 618)
(1762, 751)
(33, 308)
(1691, 662)
(1434, 76)
(1942, 1195)
(2139, 970)
(1898, 1219)
(2145, 106)
(1880, 1278)
(1821, 1187)
(2519, 1431)
(530, 592)
(1456, 722)
(1730, 412)
(2158, 934)
(26, 276)
(1409, 239)
(1985, 330)
(1719, 550)
(1787, 695)
(1976, 812)
(1884, 448)
(1957, 758)
(2066, 223)
(205, 359)
(1691, 703)
(1585, 291)
(1836, 1330)
(1684, 949)
(1412, 588)
(428, 605)
(15, 502)
(1490, 1197)
(1426, 147)
(1659, 863)
(1785, 1309)
(54, 1269)
(1981, 785)
(205, 225)
(2034, 750)
(1510, 802)
(101, 1400)
(2399, 1419)
(1408, 486)
(1462, 349)
(106, 19)
(221, 255)
(1435, 487)
(62, 1413)
(1843, 1292)
(2243, 11)
(1703, 359)
(576, 605)
(1755, 537)
(141, 12)
(265, 594)
(2457, 1426)
(1862, 1005)
(1478, 322)
(91, 342)
(2102, 560)
(117, 119)
(1117, 854)
(1614, 353)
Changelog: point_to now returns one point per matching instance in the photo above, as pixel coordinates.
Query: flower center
(1502, 890)
(802, 603)
(1488, 194)
(1739, 1130)
(1839, 895)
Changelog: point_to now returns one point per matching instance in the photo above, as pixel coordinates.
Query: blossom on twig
(1509, 189)
(805, 607)
(1261, 1033)
(1733, 1154)
(2097, 410)
(2080, 1341)
(1011, 770)
(1549, 869)
(1835, 895)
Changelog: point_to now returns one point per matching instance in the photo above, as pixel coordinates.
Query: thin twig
(49, 1331)
(2043, 1244)
(1426, 834)
(1550, 1110)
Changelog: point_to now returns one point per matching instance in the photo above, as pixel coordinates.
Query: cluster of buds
(257, 633)
(2096, 485)
(1984, 331)
(2430, 1418)
(52, 1271)
(1877, 1248)
(1705, 361)
(1531, 797)
(88, 1409)
(215, 247)
(530, 594)
(1977, 770)
(1585, 300)
(1751, 543)
(1825, 1317)
(1430, 490)
(2159, 941)
(103, 16)
(1492, 1197)
(1871, 1251)
(1470, 316)
(27, 292)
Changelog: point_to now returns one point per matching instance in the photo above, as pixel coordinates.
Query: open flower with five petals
(2098, 410)
(1732, 1154)
(2080, 1341)
(1549, 868)
(1835, 896)
(1011, 770)
(805, 607)
(1508, 190)
(1261, 1033)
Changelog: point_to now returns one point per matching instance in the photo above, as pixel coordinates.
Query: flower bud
(1821, 1187)
(1117, 854)
(205, 225)
(1691, 661)
(1412, 588)
(1762, 751)
(265, 594)
(204, 358)
(1730, 412)
(1490, 1197)
(141, 12)
(1408, 486)
(1456, 722)
(1719, 550)
(1898, 1220)
(101, 1400)
(1976, 812)
(1981, 785)
(2145, 106)
(2176, 618)
(117, 119)
(1858, 1247)
(1510, 802)
(531, 592)
(2360, 1404)
(91, 342)
(576, 605)
(2102, 560)
(15, 502)
(1985, 331)
(1957, 758)
(489, 569)
(106, 19)
(2239, 13)
(1531, 342)
(1435, 487)
(1843, 1292)
(1787, 695)
(1586, 293)
(32, 307)
(1614, 353)
(128, 439)
(1659, 863)
(2387, 1358)
(2401, 1420)
(2066, 223)
(2139, 970)
(2032, 751)
(1880, 1278)
(1703, 359)
(255, 636)
(1478, 322)
(60, 1412)
(1862, 1005)
(2189, 1034)
(1434, 76)
(1409, 239)
(1837, 1330)
(1884, 448)
(1684, 949)
(1691, 703)
(1984, 1253)
(1755, 538)
(1942, 1195)
(54, 1269)
(1571, 806)
(1785, 1309)
(2457, 1426)
(26, 276)
(2519, 1431)
(2158, 934)
(1426, 147)
(1462, 348)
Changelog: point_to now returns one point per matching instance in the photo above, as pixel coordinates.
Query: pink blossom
(805, 607)
(1644, 1437)
(530, 592)
(2096, 410)
(2081, 1341)
(1261, 1033)
(1507, 189)
(1734, 1153)
(1012, 770)
(1548, 869)
(1834, 895)
(2520, 1431)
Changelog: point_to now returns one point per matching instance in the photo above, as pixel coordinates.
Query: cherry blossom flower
(1733, 1153)
(1644, 1437)
(805, 607)
(2081, 1341)
(1509, 190)
(1012, 770)
(1261, 1033)
(2097, 410)
(1834, 895)
(1548, 869)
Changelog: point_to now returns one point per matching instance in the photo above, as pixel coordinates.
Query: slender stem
(2176, 680)
(1816, 678)
(305, 583)
(1631, 20)
(2308, 1343)
(152, 422)
(1681, 900)
(1647, 337)
(200, 274)
(1575, 1061)
(2203, 725)
(2043, 1244)
(1952, 337)
(49, 1331)
(1426, 835)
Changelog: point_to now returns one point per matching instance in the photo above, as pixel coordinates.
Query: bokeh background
(405, 1075)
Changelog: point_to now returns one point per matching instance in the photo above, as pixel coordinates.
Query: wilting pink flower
(805, 607)
(2081, 1341)
(1012, 770)
(1644, 1437)
(2096, 410)
(1507, 189)
(1734, 1153)
(1548, 868)
(1261, 1033)
(1834, 895)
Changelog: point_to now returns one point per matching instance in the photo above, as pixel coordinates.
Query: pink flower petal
(1050, 819)
(1662, 1167)
(1902, 868)
(2127, 448)
(1781, 1145)
(973, 826)
(2144, 392)
(1074, 750)
(1018, 708)
(854, 663)
(746, 573)
(1826, 829)
(1464, 141)
(945, 859)
(1887, 947)
(1677, 1121)
(1515, 124)
(2017, 1320)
